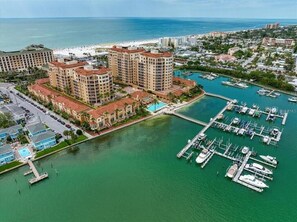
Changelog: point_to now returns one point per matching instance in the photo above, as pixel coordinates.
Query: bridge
(218, 96)
(186, 118)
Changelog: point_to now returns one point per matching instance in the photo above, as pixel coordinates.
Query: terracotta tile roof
(41, 89)
(42, 81)
(126, 50)
(68, 66)
(187, 82)
(140, 95)
(157, 55)
(85, 72)
(71, 104)
(111, 107)
(178, 92)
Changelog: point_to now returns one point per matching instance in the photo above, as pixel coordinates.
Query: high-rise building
(149, 70)
(31, 56)
(94, 86)
(155, 70)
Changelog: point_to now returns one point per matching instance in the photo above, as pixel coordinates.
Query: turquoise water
(24, 152)
(134, 175)
(156, 107)
(15, 34)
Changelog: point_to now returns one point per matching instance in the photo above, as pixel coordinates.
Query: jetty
(189, 145)
(185, 117)
(37, 177)
(218, 96)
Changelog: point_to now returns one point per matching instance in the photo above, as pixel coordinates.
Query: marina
(268, 93)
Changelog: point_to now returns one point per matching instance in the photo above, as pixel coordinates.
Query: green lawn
(9, 165)
(60, 146)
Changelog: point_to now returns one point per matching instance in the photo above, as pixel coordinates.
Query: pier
(37, 177)
(186, 118)
(218, 96)
(188, 146)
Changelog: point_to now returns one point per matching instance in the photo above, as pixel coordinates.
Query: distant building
(218, 34)
(233, 50)
(6, 154)
(272, 26)
(225, 58)
(31, 56)
(278, 42)
(44, 140)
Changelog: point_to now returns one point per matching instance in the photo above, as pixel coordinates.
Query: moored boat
(269, 159)
(258, 167)
(232, 171)
(252, 180)
(203, 156)
(235, 121)
(292, 99)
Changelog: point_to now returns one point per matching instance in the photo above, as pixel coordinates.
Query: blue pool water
(24, 152)
(155, 107)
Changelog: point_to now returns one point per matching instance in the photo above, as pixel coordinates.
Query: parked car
(68, 126)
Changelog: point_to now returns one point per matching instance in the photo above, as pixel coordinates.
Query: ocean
(134, 175)
(55, 33)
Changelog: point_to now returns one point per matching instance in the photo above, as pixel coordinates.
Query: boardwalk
(186, 118)
(218, 96)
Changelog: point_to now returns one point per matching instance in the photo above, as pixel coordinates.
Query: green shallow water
(134, 175)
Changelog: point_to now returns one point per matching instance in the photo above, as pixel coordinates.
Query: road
(45, 118)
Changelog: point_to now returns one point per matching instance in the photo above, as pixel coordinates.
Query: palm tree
(66, 133)
(117, 112)
(155, 102)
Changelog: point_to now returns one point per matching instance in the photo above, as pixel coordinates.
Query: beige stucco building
(31, 56)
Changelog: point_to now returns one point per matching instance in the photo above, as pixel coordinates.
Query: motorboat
(205, 153)
(258, 167)
(269, 159)
(274, 110)
(251, 112)
(201, 136)
(292, 99)
(271, 117)
(266, 139)
(254, 106)
(274, 132)
(227, 83)
(241, 132)
(235, 121)
(241, 85)
(262, 92)
(221, 116)
(245, 150)
(252, 180)
(244, 109)
(232, 170)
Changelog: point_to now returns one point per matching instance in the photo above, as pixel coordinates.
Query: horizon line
(147, 17)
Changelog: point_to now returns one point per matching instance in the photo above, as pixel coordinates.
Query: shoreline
(157, 114)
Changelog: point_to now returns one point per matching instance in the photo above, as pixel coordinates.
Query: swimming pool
(24, 152)
(155, 107)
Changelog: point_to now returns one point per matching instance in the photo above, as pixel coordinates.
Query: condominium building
(61, 72)
(122, 62)
(149, 70)
(278, 42)
(91, 85)
(94, 86)
(272, 26)
(155, 70)
(31, 56)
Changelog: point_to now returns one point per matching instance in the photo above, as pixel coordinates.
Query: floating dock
(38, 177)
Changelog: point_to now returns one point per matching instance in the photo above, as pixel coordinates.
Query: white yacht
(274, 110)
(292, 99)
(244, 109)
(227, 83)
(203, 156)
(274, 132)
(232, 171)
(252, 180)
(269, 159)
(241, 85)
(258, 167)
(245, 150)
(266, 139)
(235, 121)
(201, 136)
(251, 112)
(262, 92)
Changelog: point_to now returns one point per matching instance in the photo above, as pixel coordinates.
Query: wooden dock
(189, 145)
(218, 96)
(37, 177)
(186, 118)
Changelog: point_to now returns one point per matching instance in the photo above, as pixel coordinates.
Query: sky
(149, 8)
